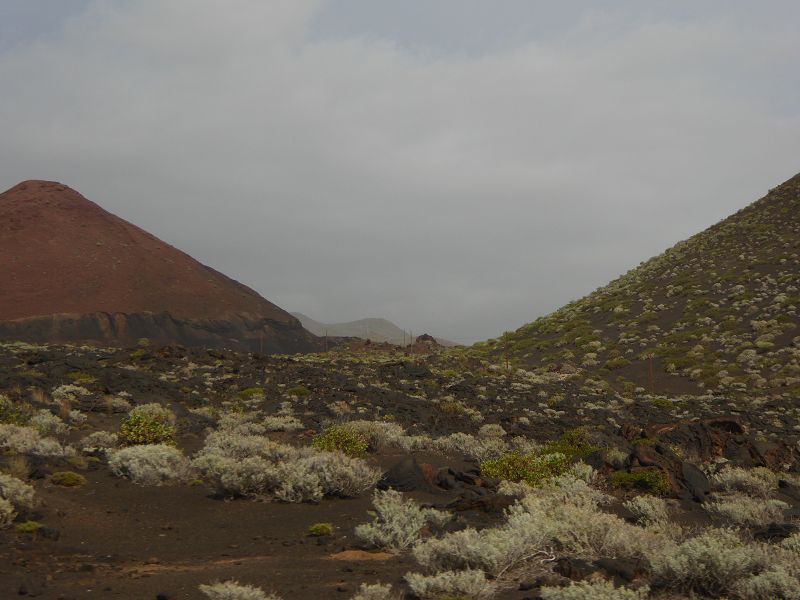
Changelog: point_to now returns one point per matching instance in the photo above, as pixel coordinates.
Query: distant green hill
(377, 330)
(717, 312)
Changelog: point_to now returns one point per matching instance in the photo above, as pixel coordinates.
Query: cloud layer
(347, 173)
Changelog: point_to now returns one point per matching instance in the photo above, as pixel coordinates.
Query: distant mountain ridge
(71, 271)
(719, 312)
(375, 329)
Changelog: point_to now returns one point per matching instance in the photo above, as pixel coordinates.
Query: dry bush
(7, 513)
(282, 423)
(759, 481)
(376, 591)
(712, 563)
(150, 464)
(232, 590)
(602, 590)
(17, 465)
(26, 440)
(744, 510)
(252, 465)
(563, 516)
(398, 521)
(68, 393)
(648, 509)
(46, 423)
(480, 448)
(99, 441)
(17, 492)
(461, 584)
(779, 581)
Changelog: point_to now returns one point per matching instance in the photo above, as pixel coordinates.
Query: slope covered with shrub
(718, 312)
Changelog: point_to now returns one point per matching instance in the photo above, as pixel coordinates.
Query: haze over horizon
(455, 167)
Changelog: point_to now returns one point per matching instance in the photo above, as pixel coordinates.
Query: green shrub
(148, 424)
(29, 527)
(343, 439)
(320, 529)
(573, 444)
(552, 460)
(655, 481)
(67, 479)
(79, 378)
(298, 390)
(534, 469)
(251, 392)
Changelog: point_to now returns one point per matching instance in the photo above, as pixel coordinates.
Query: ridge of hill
(72, 271)
(374, 329)
(715, 313)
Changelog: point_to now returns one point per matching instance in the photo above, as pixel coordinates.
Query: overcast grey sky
(457, 166)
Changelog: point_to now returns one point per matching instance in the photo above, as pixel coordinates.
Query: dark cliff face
(235, 332)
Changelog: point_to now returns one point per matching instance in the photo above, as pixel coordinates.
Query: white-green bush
(69, 392)
(480, 448)
(745, 510)
(471, 584)
(282, 423)
(759, 481)
(712, 563)
(602, 590)
(563, 517)
(375, 591)
(7, 513)
(398, 521)
(252, 465)
(46, 423)
(648, 509)
(242, 423)
(99, 441)
(26, 440)
(232, 590)
(792, 543)
(17, 492)
(776, 582)
(150, 464)
(77, 417)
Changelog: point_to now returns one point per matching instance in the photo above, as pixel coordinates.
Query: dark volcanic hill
(718, 312)
(71, 271)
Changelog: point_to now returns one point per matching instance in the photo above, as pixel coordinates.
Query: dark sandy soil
(113, 539)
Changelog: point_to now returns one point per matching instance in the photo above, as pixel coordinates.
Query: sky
(459, 167)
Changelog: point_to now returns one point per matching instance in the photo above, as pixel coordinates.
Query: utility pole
(326, 340)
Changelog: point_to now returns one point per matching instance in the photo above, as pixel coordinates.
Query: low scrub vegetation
(150, 464)
(398, 521)
(148, 424)
(233, 590)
